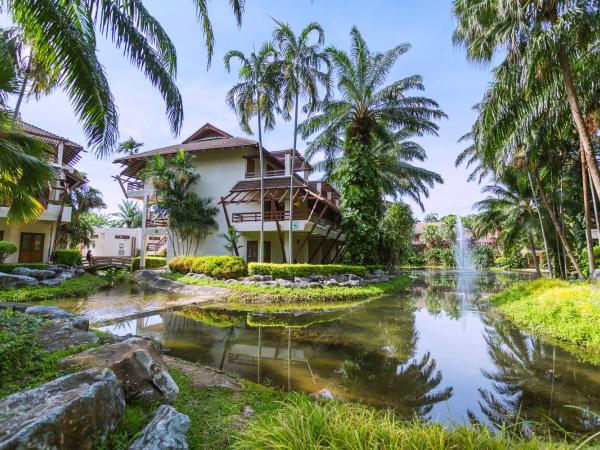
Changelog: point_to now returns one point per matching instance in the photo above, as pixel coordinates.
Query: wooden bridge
(106, 262)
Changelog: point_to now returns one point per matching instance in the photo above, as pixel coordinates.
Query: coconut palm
(129, 146)
(83, 199)
(546, 39)
(63, 35)
(129, 215)
(302, 67)
(256, 95)
(368, 121)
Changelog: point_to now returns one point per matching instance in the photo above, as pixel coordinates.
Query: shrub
(74, 287)
(152, 262)
(221, 267)
(6, 249)
(289, 271)
(439, 257)
(483, 256)
(67, 257)
(512, 261)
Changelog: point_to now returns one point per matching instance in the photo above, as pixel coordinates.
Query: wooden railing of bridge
(106, 262)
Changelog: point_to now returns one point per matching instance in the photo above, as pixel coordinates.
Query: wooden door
(31, 248)
(252, 251)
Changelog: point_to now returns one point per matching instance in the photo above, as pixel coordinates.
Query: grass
(248, 294)
(568, 313)
(135, 417)
(73, 287)
(23, 363)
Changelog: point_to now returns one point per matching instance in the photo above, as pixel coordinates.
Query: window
(122, 236)
(250, 165)
(1, 235)
(252, 251)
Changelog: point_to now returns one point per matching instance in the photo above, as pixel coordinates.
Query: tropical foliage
(398, 230)
(129, 215)
(80, 229)
(191, 217)
(6, 249)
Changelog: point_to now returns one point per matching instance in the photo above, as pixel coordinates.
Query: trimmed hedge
(67, 257)
(152, 262)
(8, 268)
(221, 267)
(289, 271)
(7, 248)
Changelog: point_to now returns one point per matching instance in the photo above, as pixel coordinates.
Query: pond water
(435, 351)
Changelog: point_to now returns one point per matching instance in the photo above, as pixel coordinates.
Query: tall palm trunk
(586, 211)
(537, 207)
(578, 119)
(558, 228)
(536, 263)
(22, 90)
(261, 242)
(593, 194)
(290, 235)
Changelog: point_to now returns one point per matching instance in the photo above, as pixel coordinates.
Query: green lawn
(73, 287)
(248, 294)
(566, 312)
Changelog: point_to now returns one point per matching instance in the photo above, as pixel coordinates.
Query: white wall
(12, 233)
(107, 243)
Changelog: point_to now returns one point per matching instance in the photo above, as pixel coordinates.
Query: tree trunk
(22, 90)
(578, 119)
(261, 242)
(536, 263)
(558, 229)
(290, 234)
(586, 211)
(537, 207)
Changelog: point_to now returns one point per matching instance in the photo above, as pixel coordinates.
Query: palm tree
(83, 199)
(510, 208)
(63, 37)
(24, 171)
(301, 66)
(369, 120)
(256, 95)
(547, 39)
(129, 215)
(129, 146)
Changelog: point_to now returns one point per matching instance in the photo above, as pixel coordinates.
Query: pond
(435, 351)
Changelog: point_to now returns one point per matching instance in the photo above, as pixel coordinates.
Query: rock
(284, 283)
(48, 312)
(302, 280)
(20, 307)
(314, 284)
(595, 275)
(60, 334)
(66, 275)
(38, 274)
(137, 363)
(8, 280)
(202, 377)
(324, 394)
(352, 283)
(79, 271)
(51, 282)
(166, 430)
(352, 277)
(318, 278)
(331, 282)
(71, 412)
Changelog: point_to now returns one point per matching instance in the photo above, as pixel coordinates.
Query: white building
(115, 242)
(229, 170)
(35, 241)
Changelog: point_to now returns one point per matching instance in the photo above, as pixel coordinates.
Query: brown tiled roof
(269, 183)
(71, 149)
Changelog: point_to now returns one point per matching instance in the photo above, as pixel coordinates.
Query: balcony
(279, 216)
(268, 173)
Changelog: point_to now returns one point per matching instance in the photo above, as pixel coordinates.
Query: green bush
(220, 267)
(8, 268)
(483, 256)
(289, 271)
(67, 257)
(152, 262)
(512, 261)
(438, 256)
(6, 249)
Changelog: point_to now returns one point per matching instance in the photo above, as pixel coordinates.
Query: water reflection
(434, 351)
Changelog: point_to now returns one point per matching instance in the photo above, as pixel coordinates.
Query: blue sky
(426, 24)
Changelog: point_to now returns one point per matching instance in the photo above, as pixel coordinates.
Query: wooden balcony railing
(135, 186)
(153, 221)
(268, 173)
(271, 216)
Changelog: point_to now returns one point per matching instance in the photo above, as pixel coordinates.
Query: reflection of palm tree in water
(229, 339)
(535, 381)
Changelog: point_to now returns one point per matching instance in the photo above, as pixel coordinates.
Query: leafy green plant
(438, 256)
(6, 249)
(232, 239)
(67, 257)
(220, 267)
(431, 235)
(152, 262)
(483, 256)
(114, 276)
(398, 230)
(512, 261)
(289, 271)
(73, 287)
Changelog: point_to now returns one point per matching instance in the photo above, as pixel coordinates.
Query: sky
(427, 25)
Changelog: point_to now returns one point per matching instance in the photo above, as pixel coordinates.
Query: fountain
(462, 250)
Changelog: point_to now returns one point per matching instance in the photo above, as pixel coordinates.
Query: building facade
(230, 175)
(35, 241)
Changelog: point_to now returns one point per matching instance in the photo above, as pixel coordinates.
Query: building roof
(71, 149)
(269, 183)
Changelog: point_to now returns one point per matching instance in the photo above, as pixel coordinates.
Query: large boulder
(61, 334)
(48, 312)
(166, 430)
(8, 281)
(71, 412)
(38, 274)
(138, 364)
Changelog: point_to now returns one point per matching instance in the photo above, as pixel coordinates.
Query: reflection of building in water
(249, 354)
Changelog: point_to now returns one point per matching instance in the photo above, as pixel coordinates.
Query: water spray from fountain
(463, 256)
